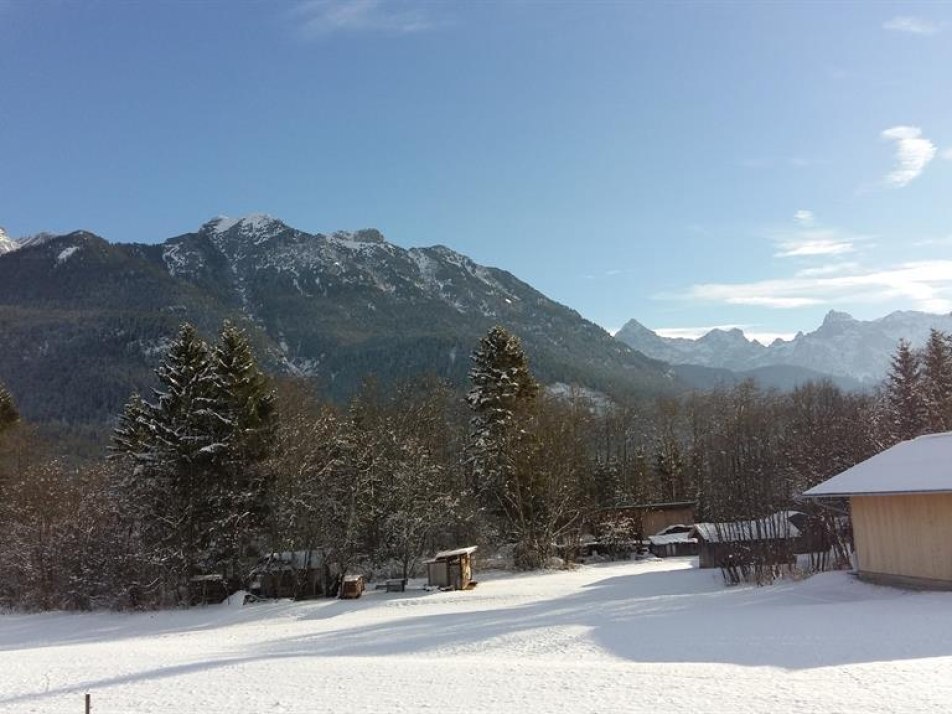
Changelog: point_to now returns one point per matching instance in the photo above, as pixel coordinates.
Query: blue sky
(685, 164)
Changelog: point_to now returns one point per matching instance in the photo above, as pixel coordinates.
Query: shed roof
(659, 506)
(443, 554)
(920, 465)
(669, 538)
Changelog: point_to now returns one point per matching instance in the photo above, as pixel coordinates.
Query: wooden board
(908, 535)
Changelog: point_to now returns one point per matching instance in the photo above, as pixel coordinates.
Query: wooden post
(89, 702)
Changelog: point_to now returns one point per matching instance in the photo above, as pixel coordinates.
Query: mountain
(7, 244)
(842, 347)
(84, 321)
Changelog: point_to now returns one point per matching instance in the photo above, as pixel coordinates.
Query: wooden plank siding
(656, 521)
(907, 535)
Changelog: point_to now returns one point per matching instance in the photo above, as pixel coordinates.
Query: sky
(688, 165)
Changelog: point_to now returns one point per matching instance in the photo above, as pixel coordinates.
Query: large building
(901, 506)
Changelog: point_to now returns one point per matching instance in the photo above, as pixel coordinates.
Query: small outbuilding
(452, 569)
(774, 538)
(293, 574)
(646, 517)
(900, 502)
(672, 541)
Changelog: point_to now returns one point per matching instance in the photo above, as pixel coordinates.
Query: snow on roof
(921, 465)
(669, 538)
(443, 554)
(774, 527)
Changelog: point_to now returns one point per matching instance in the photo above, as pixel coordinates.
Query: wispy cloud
(811, 239)
(913, 154)
(927, 285)
(819, 242)
(804, 218)
(947, 154)
(318, 18)
(912, 25)
(829, 269)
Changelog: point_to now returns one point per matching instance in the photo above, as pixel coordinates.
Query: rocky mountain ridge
(84, 320)
(841, 346)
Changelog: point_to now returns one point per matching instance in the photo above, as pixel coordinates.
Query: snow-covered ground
(628, 637)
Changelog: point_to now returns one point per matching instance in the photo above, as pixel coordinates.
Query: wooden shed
(901, 506)
(774, 538)
(293, 574)
(452, 569)
(648, 517)
(674, 540)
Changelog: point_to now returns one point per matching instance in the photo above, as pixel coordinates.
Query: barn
(901, 507)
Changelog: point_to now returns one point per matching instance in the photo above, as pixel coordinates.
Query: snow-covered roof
(774, 527)
(297, 559)
(669, 538)
(443, 554)
(921, 465)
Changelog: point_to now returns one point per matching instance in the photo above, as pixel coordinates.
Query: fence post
(89, 703)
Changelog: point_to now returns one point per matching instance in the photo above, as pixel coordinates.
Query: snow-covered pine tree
(936, 360)
(171, 445)
(502, 385)
(903, 395)
(244, 409)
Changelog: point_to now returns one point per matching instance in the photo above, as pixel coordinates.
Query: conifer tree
(937, 382)
(244, 408)
(502, 385)
(904, 408)
(194, 485)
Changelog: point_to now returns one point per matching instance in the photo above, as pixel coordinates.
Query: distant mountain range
(852, 352)
(84, 321)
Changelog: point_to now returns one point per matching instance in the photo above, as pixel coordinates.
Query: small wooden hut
(901, 506)
(293, 574)
(452, 569)
(646, 518)
(773, 538)
(673, 541)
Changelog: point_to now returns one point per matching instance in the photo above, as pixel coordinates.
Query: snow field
(626, 637)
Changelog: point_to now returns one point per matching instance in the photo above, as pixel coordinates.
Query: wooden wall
(654, 521)
(908, 535)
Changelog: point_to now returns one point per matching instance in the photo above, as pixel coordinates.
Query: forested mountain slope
(83, 320)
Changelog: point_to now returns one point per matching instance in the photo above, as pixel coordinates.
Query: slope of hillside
(85, 320)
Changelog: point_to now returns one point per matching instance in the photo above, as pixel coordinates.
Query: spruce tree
(904, 408)
(501, 383)
(937, 382)
(244, 409)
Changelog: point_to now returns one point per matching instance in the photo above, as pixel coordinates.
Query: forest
(222, 465)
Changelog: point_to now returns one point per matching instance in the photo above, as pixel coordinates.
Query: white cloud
(830, 269)
(814, 243)
(913, 154)
(316, 18)
(804, 218)
(813, 240)
(912, 25)
(926, 285)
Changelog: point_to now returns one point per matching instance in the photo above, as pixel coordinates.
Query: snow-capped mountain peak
(841, 346)
(7, 244)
